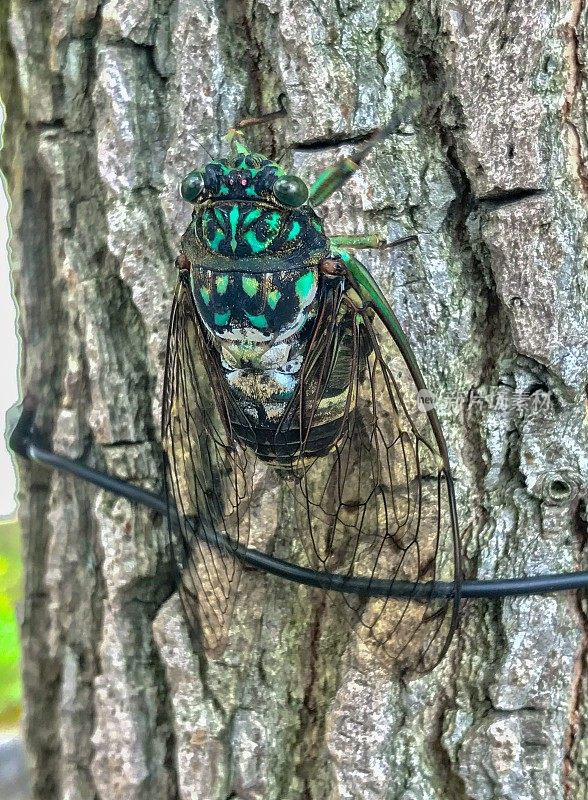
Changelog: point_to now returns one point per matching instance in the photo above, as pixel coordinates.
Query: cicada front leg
(368, 241)
(333, 178)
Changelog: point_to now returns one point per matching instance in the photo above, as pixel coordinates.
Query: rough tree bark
(108, 106)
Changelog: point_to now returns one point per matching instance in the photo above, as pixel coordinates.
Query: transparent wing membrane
(205, 479)
(368, 481)
(379, 504)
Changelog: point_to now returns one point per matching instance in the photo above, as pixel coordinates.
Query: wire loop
(27, 442)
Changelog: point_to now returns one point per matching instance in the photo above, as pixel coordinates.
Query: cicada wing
(380, 503)
(206, 477)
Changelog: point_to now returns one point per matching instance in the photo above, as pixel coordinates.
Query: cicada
(287, 371)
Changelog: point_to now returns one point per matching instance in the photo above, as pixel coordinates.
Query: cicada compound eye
(291, 191)
(192, 186)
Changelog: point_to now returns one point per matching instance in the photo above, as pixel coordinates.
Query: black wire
(27, 442)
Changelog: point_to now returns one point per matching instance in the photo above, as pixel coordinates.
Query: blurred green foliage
(10, 594)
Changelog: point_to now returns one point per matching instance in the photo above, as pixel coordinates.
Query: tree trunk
(108, 107)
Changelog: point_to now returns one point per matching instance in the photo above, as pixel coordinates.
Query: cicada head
(248, 206)
(250, 178)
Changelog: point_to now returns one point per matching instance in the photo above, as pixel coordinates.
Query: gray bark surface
(109, 105)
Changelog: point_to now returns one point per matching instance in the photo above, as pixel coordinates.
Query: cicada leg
(265, 118)
(234, 136)
(366, 241)
(333, 178)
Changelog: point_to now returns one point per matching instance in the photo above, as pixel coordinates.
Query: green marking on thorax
(222, 282)
(254, 243)
(250, 285)
(259, 245)
(304, 285)
(273, 297)
(259, 321)
(273, 221)
(218, 234)
(222, 319)
(218, 238)
(252, 216)
(233, 220)
(294, 231)
(205, 294)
